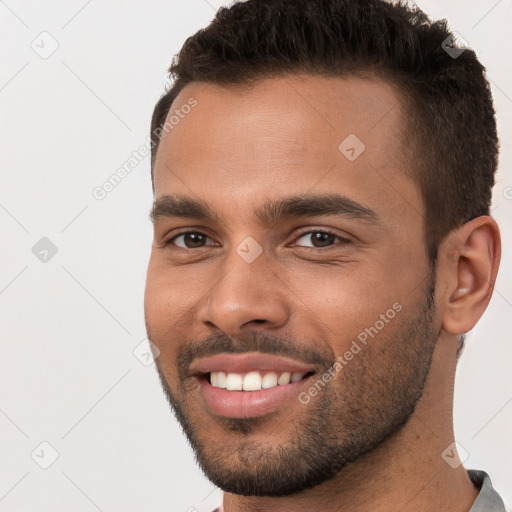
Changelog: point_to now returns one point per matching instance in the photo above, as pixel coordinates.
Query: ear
(468, 262)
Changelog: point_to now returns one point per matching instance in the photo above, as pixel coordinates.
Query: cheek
(170, 307)
(166, 291)
(153, 295)
(340, 303)
(160, 310)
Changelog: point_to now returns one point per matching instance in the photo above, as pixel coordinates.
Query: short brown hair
(451, 123)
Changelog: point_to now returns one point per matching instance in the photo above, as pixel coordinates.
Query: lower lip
(247, 404)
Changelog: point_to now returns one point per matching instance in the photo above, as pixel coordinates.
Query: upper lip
(252, 361)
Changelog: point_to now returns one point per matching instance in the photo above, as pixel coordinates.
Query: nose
(246, 295)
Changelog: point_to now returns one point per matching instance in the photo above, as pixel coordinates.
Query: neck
(406, 472)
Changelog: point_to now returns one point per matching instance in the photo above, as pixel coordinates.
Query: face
(288, 291)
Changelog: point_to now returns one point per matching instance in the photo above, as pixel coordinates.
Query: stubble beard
(369, 401)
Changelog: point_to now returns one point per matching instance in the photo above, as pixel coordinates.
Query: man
(322, 174)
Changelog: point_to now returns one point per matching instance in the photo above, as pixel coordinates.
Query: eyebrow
(306, 205)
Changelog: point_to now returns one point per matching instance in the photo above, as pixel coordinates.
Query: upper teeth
(252, 381)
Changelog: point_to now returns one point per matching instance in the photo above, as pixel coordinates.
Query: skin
(237, 149)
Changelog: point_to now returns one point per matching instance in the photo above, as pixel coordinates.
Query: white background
(68, 375)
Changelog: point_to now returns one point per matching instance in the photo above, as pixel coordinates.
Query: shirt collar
(488, 500)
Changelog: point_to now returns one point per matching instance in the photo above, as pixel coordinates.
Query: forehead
(290, 134)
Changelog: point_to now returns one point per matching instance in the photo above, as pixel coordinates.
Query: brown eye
(189, 240)
(318, 239)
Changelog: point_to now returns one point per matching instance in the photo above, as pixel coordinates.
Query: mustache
(265, 343)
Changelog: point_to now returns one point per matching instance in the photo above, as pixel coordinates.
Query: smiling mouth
(251, 384)
(253, 380)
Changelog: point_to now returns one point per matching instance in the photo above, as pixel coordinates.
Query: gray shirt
(488, 500)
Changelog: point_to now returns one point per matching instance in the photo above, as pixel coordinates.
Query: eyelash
(342, 240)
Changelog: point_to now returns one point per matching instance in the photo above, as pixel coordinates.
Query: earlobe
(472, 256)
